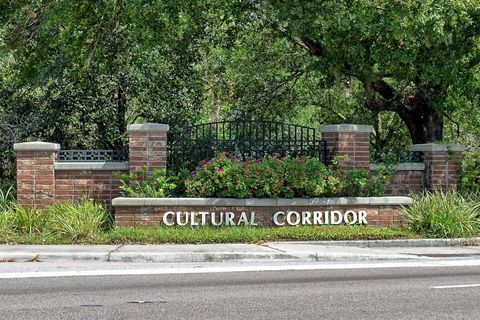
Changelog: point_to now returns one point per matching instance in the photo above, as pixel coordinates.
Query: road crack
(114, 250)
(276, 249)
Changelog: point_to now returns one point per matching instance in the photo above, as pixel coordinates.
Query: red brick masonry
(73, 185)
(380, 211)
(42, 180)
(407, 179)
(147, 144)
(350, 142)
(443, 165)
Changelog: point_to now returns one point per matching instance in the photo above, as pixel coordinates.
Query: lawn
(158, 235)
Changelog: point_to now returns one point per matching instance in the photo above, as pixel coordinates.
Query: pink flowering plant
(309, 177)
(271, 177)
(221, 176)
(265, 178)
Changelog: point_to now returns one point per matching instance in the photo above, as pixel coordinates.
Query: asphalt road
(392, 293)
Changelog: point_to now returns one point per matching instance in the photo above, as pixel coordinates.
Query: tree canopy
(77, 72)
(411, 57)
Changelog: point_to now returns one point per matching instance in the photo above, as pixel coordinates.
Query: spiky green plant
(7, 199)
(443, 215)
(78, 221)
(27, 220)
(4, 223)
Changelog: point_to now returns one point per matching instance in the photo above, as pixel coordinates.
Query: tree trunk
(121, 111)
(217, 107)
(424, 123)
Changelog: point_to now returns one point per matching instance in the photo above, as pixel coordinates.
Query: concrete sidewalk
(270, 251)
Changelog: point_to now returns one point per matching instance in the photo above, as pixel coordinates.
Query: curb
(218, 253)
(196, 257)
(412, 243)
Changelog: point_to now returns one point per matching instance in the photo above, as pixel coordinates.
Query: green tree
(410, 56)
(275, 80)
(77, 72)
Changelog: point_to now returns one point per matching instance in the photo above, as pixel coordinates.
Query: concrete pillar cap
(36, 146)
(436, 147)
(148, 127)
(346, 128)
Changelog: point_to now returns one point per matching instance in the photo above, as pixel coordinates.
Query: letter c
(165, 218)
(275, 218)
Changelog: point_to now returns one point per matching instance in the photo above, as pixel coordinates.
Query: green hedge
(470, 181)
(272, 177)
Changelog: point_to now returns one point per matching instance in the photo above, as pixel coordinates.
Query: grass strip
(197, 235)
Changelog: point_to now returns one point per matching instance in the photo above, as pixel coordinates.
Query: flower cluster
(271, 177)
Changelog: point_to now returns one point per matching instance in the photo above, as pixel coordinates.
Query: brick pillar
(147, 146)
(443, 164)
(351, 141)
(35, 173)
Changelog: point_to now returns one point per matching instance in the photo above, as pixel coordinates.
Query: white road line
(457, 286)
(228, 269)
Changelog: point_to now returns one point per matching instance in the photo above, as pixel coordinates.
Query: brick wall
(443, 165)
(42, 180)
(147, 145)
(72, 184)
(407, 179)
(405, 182)
(350, 142)
(35, 173)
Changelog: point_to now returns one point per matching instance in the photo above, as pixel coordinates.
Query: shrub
(17, 219)
(470, 181)
(7, 205)
(206, 177)
(265, 179)
(230, 181)
(5, 226)
(78, 221)
(443, 215)
(221, 176)
(141, 185)
(73, 221)
(472, 196)
(273, 177)
(309, 177)
(361, 183)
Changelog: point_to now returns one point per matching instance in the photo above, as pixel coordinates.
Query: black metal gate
(245, 139)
